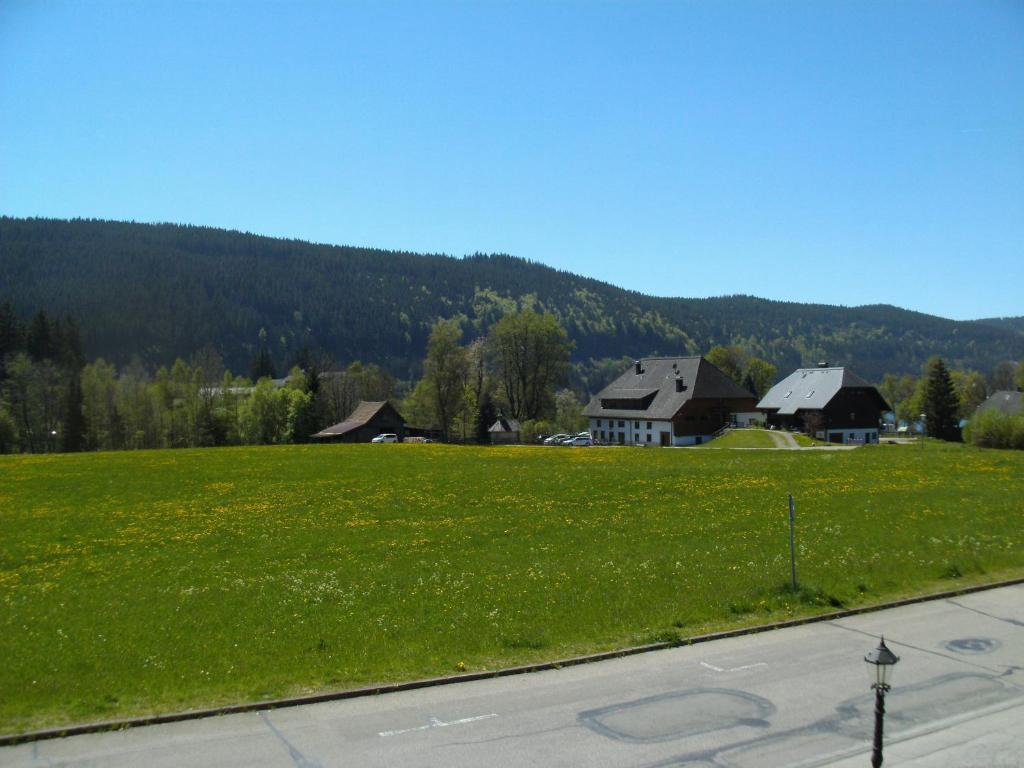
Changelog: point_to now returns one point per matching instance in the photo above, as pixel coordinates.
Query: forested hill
(164, 291)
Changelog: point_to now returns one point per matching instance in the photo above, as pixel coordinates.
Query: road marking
(435, 723)
(713, 668)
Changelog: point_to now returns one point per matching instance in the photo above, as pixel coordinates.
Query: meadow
(152, 581)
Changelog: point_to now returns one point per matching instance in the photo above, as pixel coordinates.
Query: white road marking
(435, 723)
(713, 668)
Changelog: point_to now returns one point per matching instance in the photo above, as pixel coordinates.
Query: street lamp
(924, 428)
(880, 661)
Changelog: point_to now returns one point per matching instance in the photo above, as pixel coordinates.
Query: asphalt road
(796, 697)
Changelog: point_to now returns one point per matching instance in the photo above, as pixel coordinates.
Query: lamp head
(880, 664)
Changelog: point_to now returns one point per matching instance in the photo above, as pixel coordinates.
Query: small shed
(368, 420)
(505, 431)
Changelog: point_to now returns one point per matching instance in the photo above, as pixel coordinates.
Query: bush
(993, 429)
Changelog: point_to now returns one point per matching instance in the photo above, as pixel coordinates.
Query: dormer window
(787, 394)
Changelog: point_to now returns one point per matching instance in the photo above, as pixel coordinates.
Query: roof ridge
(673, 357)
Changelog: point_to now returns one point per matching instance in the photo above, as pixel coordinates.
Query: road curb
(353, 693)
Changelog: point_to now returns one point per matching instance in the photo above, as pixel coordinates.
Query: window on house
(648, 437)
(599, 422)
(622, 424)
(636, 425)
(648, 425)
(787, 394)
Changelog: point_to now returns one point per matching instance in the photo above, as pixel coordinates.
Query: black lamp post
(881, 661)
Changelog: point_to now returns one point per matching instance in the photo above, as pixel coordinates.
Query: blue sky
(834, 152)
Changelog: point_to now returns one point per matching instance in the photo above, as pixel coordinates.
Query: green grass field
(152, 581)
(743, 438)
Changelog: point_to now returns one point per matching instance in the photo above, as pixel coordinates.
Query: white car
(556, 439)
(386, 437)
(582, 441)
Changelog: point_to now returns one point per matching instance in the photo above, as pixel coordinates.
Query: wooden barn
(368, 420)
(505, 431)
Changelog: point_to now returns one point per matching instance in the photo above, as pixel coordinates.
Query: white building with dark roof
(667, 401)
(832, 404)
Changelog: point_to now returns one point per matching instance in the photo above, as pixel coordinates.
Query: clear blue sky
(836, 152)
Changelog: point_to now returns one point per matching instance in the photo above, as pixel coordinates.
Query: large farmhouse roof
(652, 391)
(363, 413)
(813, 389)
(1004, 401)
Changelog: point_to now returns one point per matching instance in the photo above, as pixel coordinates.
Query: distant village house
(505, 431)
(832, 404)
(1005, 401)
(667, 401)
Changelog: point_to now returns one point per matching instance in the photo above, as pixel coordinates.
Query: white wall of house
(852, 435)
(745, 419)
(692, 439)
(634, 431)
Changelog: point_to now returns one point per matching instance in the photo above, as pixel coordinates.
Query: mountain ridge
(158, 291)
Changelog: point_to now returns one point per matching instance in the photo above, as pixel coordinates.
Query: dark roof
(701, 379)
(1005, 401)
(813, 389)
(361, 416)
(505, 425)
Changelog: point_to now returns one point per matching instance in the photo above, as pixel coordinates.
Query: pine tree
(39, 342)
(307, 410)
(486, 415)
(74, 431)
(12, 334)
(262, 365)
(940, 402)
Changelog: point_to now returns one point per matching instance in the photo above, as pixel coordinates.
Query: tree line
(52, 400)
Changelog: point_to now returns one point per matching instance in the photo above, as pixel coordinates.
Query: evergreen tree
(262, 366)
(486, 415)
(749, 385)
(39, 341)
(11, 334)
(306, 417)
(73, 435)
(68, 345)
(940, 402)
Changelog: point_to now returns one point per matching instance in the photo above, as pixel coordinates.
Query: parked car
(556, 439)
(581, 441)
(386, 437)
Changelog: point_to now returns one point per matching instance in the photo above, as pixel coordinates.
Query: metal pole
(792, 540)
(876, 751)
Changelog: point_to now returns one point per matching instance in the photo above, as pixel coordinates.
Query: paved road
(797, 697)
